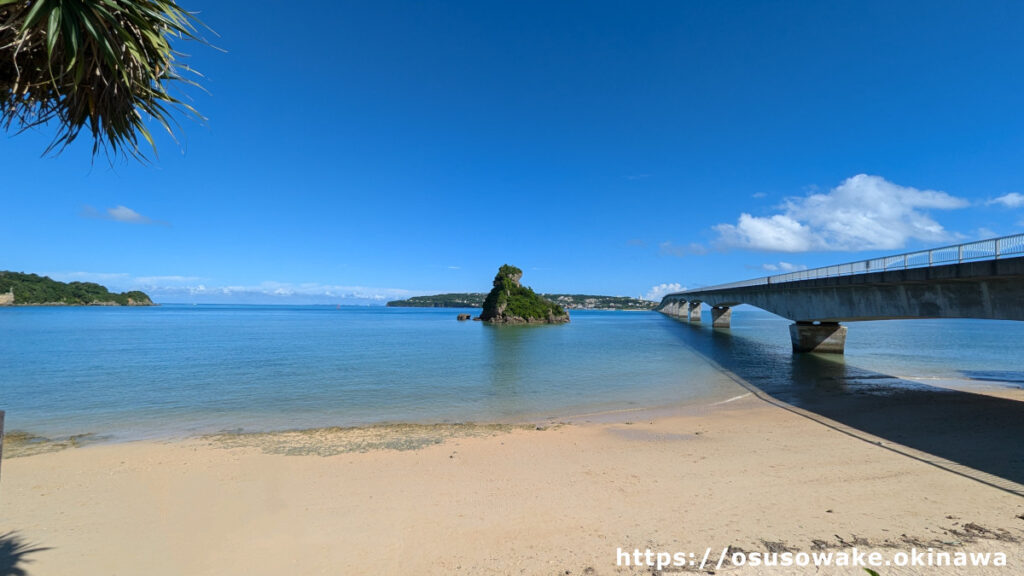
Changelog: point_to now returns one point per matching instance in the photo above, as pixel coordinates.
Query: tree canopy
(35, 289)
(105, 66)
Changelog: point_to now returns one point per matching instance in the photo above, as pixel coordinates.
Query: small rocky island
(20, 289)
(509, 302)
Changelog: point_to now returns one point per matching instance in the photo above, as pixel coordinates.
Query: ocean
(180, 370)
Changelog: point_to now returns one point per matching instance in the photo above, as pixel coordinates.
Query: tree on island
(105, 66)
(509, 302)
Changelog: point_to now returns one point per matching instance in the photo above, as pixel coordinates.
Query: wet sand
(752, 474)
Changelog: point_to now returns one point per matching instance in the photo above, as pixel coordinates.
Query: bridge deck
(990, 288)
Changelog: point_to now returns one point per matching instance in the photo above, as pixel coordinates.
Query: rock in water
(512, 303)
(464, 317)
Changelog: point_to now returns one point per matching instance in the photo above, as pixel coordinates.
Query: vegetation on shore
(29, 289)
(451, 300)
(567, 301)
(509, 302)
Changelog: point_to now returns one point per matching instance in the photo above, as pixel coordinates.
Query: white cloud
(671, 249)
(779, 233)
(174, 288)
(126, 214)
(656, 293)
(1011, 200)
(863, 213)
(697, 248)
(985, 233)
(271, 292)
(120, 281)
(668, 248)
(120, 213)
(783, 267)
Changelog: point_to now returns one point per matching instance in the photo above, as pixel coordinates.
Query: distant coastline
(21, 289)
(569, 301)
(67, 305)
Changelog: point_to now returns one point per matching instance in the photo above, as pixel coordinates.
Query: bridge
(983, 279)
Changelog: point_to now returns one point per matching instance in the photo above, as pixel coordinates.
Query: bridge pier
(826, 337)
(721, 316)
(694, 311)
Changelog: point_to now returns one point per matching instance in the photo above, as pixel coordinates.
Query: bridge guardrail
(991, 249)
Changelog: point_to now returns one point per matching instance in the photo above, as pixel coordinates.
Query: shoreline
(743, 472)
(19, 443)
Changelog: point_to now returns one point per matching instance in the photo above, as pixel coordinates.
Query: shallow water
(176, 370)
(170, 371)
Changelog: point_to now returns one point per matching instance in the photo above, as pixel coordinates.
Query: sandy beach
(344, 288)
(563, 499)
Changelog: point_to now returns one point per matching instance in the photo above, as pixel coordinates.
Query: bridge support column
(672, 308)
(694, 312)
(827, 337)
(721, 316)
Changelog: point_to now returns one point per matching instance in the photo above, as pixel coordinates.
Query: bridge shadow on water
(977, 431)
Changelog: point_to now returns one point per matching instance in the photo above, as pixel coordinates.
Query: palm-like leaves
(103, 65)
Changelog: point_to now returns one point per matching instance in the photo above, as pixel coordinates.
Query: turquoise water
(170, 371)
(173, 370)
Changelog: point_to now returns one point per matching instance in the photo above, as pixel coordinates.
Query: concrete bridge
(977, 280)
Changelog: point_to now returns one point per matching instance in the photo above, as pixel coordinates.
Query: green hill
(32, 289)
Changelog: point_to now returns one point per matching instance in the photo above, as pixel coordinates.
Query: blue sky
(361, 151)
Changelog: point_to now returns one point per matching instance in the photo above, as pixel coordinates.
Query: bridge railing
(991, 249)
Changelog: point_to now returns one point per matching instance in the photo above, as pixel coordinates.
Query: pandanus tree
(105, 66)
